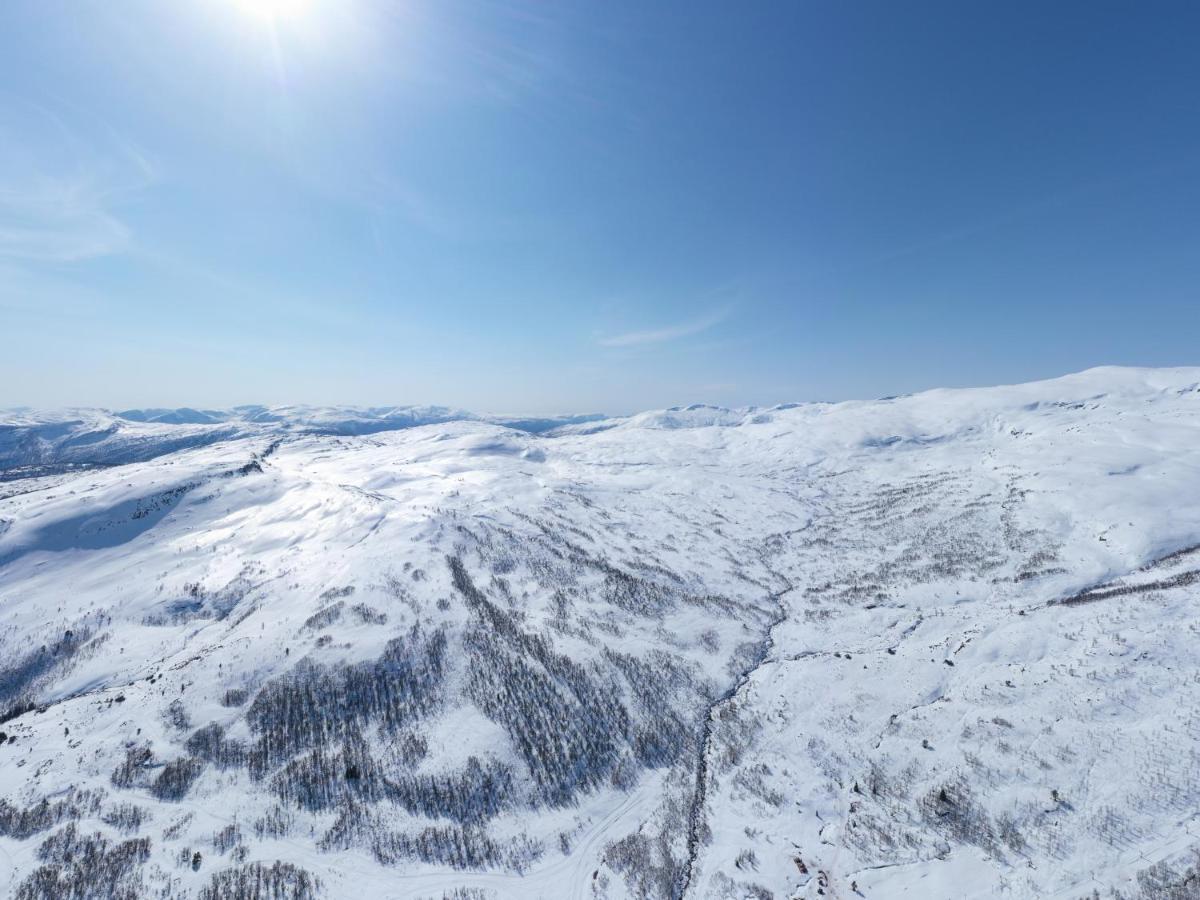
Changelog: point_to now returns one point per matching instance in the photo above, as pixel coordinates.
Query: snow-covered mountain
(936, 646)
(38, 443)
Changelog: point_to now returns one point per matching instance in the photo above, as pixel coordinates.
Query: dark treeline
(258, 881)
(316, 705)
(79, 866)
(568, 727)
(24, 822)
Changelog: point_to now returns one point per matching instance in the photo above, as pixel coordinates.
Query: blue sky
(521, 206)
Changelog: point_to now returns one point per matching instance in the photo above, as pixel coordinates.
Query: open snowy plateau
(937, 646)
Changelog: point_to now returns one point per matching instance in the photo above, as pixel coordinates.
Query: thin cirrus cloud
(58, 195)
(58, 221)
(667, 333)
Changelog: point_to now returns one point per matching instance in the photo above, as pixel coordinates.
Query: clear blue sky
(562, 206)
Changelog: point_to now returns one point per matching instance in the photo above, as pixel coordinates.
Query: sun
(274, 10)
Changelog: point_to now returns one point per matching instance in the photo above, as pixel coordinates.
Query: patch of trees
(1168, 880)
(355, 824)
(134, 769)
(316, 706)
(78, 866)
(199, 603)
(173, 781)
(176, 715)
(952, 811)
(326, 616)
(125, 817)
(227, 838)
(568, 726)
(408, 749)
(369, 615)
(24, 822)
(664, 735)
(176, 778)
(327, 778)
(470, 796)
(637, 595)
(276, 822)
(209, 743)
(147, 506)
(649, 867)
(258, 881)
(19, 680)
(456, 846)
(1104, 592)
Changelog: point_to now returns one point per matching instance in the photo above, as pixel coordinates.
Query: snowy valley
(934, 646)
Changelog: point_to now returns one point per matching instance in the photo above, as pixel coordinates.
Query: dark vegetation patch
(368, 615)
(172, 781)
(228, 838)
(1104, 592)
(335, 779)
(125, 817)
(24, 822)
(315, 706)
(663, 734)
(176, 778)
(135, 768)
(648, 865)
(952, 811)
(567, 724)
(199, 603)
(258, 881)
(325, 616)
(19, 681)
(456, 846)
(78, 866)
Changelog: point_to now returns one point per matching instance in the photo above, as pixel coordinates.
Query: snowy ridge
(935, 646)
(43, 442)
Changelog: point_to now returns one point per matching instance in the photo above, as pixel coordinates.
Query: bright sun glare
(274, 10)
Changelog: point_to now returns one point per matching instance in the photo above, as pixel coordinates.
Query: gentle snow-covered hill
(937, 646)
(37, 443)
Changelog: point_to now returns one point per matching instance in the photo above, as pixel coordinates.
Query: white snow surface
(935, 646)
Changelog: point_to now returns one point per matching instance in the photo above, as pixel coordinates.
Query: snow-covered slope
(38, 443)
(936, 646)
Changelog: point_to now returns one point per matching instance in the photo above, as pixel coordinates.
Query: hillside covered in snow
(934, 646)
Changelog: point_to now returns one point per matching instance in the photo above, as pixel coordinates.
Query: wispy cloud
(57, 220)
(57, 193)
(667, 333)
(442, 218)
